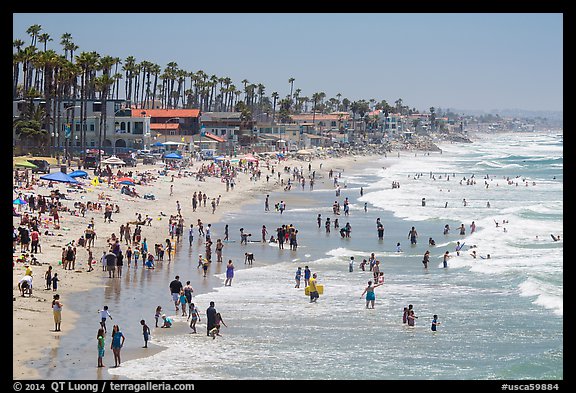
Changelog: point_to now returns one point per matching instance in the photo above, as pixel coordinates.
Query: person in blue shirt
(307, 274)
(117, 343)
(298, 277)
(435, 322)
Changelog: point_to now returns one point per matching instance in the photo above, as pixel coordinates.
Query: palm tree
(33, 32)
(261, 89)
(44, 38)
(291, 81)
(128, 68)
(103, 84)
(17, 58)
(296, 95)
(275, 97)
(65, 40)
(155, 69)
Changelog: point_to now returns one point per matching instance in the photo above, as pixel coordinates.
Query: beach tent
(78, 173)
(250, 158)
(173, 156)
(25, 164)
(59, 176)
(113, 161)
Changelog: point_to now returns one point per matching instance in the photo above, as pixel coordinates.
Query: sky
(467, 61)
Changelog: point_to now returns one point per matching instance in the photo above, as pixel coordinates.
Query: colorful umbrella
(127, 182)
(19, 201)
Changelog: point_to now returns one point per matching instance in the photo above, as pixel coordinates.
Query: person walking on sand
(370, 296)
(48, 278)
(101, 346)
(188, 290)
(145, 332)
(158, 314)
(193, 316)
(57, 311)
(229, 273)
(182, 301)
(117, 344)
(175, 288)
(219, 247)
(104, 314)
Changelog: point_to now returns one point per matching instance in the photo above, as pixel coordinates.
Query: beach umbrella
(78, 173)
(127, 182)
(25, 164)
(59, 176)
(125, 178)
(19, 201)
(158, 144)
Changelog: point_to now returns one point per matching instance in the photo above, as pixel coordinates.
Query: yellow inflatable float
(320, 288)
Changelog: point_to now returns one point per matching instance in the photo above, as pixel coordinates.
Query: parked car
(127, 158)
(149, 160)
(42, 166)
(90, 162)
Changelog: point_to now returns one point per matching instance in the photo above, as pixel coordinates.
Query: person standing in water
(412, 235)
(370, 296)
(229, 273)
(445, 259)
(314, 295)
(426, 259)
(435, 322)
(298, 277)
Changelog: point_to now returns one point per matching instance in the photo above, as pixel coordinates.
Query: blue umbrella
(158, 144)
(173, 155)
(78, 173)
(127, 182)
(19, 201)
(59, 176)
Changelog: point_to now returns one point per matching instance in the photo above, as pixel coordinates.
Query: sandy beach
(33, 326)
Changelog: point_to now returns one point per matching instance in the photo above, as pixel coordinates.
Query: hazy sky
(479, 61)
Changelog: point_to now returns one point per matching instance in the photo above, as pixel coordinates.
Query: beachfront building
(319, 122)
(171, 125)
(281, 137)
(123, 129)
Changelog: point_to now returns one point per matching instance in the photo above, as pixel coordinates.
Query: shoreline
(28, 362)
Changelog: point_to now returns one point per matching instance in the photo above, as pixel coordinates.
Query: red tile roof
(164, 126)
(214, 137)
(166, 113)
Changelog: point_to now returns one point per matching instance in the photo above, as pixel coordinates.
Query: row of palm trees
(80, 77)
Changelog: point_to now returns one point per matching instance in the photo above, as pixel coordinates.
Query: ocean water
(501, 318)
